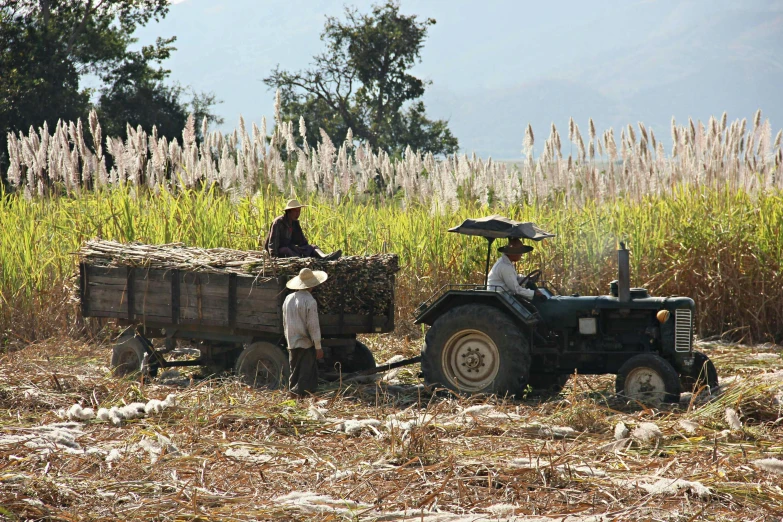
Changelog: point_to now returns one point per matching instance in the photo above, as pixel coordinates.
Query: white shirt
(300, 321)
(504, 274)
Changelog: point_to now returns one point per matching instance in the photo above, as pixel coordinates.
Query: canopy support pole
(489, 252)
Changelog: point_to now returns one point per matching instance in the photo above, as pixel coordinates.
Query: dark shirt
(284, 233)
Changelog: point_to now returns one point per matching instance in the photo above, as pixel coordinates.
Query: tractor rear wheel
(649, 379)
(702, 373)
(476, 349)
(263, 365)
(127, 355)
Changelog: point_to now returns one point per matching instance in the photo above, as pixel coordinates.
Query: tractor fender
(520, 311)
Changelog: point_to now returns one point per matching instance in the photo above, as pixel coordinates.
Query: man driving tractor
(503, 273)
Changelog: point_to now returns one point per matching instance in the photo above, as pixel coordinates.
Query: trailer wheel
(127, 355)
(263, 365)
(476, 349)
(648, 378)
(361, 359)
(702, 373)
(548, 382)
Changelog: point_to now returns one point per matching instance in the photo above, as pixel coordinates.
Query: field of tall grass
(721, 247)
(705, 221)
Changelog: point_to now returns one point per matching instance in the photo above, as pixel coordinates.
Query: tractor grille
(683, 330)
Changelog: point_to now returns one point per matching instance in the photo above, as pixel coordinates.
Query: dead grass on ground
(385, 451)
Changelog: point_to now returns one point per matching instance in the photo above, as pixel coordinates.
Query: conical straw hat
(292, 204)
(307, 279)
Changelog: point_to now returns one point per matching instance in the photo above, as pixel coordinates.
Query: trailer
(235, 321)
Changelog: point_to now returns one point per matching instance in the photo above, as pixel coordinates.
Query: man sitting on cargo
(503, 273)
(303, 331)
(286, 238)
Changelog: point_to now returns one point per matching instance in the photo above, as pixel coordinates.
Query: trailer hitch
(371, 371)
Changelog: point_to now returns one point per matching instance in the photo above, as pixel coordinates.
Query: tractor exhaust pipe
(623, 274)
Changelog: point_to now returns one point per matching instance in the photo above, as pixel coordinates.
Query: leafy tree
(47, 46)
(362, 82)
(135, 93)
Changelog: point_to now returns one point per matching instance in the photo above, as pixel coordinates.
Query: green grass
(721, 247)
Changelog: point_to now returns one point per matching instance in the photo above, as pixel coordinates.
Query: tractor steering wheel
(532, 278)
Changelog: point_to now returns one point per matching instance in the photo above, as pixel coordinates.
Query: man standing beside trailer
(303, 331)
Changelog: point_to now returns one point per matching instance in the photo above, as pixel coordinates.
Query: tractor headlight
(663, 316)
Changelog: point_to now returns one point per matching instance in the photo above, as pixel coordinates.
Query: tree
(135, 94)
(362, 82)
(47, 46)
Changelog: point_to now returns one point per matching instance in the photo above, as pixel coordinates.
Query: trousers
(304, 371)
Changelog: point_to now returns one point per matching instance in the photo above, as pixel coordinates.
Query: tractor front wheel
(476, 349)
(702, 373)
(649, 379)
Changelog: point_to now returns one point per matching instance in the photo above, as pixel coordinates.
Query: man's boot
(329, 257)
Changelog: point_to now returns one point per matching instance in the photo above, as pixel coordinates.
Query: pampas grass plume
(771, 465)
(621, 431)
(732, 419)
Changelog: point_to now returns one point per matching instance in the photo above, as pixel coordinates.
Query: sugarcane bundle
(356, 285)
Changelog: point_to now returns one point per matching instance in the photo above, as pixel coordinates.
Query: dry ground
(384, 451)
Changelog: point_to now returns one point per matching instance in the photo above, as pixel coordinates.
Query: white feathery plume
(278, 106)
(765, 138)
(621, 431)
(643, 131)
(527, 144)
(771, 465)
(756, 121)
(646, 432)
(14, 157)
(732, 419)
(692, 130)
(189, 132)
(571, 126)
(690, 427)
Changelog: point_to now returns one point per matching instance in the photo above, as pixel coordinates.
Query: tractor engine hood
(564, 311)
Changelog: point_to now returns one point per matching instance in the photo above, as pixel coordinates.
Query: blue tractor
(484, 340)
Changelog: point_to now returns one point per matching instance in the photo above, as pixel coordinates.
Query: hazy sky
(497, 65)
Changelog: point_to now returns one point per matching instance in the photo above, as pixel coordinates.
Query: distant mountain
(496, 68)
(696, 63)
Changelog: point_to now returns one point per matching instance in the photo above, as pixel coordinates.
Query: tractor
(484, 340)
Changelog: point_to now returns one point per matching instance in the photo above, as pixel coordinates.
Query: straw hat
(307, 279)
(515, 247)
(292, 204)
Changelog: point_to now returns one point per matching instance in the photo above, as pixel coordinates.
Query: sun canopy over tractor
(497, 226)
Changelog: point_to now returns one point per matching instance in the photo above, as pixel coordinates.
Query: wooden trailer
(235, 321)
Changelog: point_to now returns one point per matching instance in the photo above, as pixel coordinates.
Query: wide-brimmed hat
(292, 204)
(307, 279)
(515, 247)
